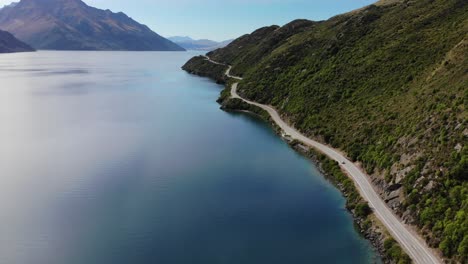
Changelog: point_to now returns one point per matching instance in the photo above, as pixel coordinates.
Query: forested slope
(387, 84)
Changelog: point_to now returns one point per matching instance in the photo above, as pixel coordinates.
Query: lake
(122, 157)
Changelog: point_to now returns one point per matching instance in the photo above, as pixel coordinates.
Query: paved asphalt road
(409, 240)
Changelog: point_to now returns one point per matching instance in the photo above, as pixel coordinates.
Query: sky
(222, 19)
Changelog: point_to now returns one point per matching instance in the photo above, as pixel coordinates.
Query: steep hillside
(388, 84)
(246, 50)
(8, 44)
(73, 25)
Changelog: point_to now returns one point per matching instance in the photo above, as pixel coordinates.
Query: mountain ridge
(198, 44)
(73, 25)
(10, 44)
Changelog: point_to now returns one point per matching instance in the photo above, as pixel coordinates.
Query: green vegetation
(200, 66)
(354, 200)
(387, 84)
(358, 206)
(393, 251)
(363, 210)
(239, 105)
(444, 212)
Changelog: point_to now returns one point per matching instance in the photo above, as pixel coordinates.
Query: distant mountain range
(8, 43)
(73, 25)
(200, 44)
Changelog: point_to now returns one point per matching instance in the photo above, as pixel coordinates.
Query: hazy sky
(222, 19)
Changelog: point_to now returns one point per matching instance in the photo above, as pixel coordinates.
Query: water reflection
(120, 157)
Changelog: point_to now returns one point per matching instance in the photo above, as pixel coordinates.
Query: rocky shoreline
(367, 225)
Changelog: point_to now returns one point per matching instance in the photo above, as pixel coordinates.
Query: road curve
(416, 248)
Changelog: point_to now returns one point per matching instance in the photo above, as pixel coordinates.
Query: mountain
(200, 44)
(73, 25)
(8, 43)
(388, 85)
(181, 39)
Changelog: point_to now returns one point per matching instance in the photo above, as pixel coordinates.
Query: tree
(363, 209)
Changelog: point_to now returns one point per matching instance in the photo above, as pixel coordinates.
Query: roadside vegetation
(388, 85)
(200, 66)
(359, 208)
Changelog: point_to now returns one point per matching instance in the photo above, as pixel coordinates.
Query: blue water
(121, 157)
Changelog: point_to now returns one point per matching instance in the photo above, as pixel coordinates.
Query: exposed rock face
(8, 43)
(73, 25)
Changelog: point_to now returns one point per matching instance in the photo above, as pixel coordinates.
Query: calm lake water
(121, 157)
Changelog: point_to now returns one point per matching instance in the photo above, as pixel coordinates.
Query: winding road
(414, 245)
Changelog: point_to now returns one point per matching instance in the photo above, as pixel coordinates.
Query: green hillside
(388, 84)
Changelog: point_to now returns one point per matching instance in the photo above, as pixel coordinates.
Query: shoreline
(411, 242)
(374, 233)
(378, 234)
(368, 226)
(386, 226)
